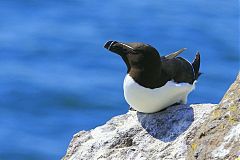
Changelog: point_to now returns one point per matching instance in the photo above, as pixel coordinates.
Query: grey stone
(199, 131)
(139, 136)
(222, 130)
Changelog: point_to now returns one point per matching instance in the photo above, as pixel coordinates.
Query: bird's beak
(109, 44)
(118, 47)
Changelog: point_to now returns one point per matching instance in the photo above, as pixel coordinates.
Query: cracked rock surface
(137, 136)
(199, 131)
(219, 136)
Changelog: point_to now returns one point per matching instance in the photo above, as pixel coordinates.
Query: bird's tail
(196, 65)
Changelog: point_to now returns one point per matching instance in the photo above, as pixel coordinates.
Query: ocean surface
(57, 79)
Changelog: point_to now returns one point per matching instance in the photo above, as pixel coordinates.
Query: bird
(153, 82)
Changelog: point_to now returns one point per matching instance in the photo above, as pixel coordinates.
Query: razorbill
(154, 82)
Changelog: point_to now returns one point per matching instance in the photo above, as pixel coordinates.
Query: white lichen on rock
(232, 136)
(140, 136)
(218, 137)
(200, 131)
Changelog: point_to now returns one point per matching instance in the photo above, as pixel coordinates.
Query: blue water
(57, 79)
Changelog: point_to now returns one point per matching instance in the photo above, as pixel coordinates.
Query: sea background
(57, 79)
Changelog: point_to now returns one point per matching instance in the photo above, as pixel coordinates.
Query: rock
(140, 136)
(219, 136)
(200, 131)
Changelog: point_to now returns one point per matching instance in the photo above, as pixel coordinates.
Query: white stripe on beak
(126, 45)
(110, 45)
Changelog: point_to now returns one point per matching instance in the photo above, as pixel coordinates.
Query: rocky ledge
(198, 131)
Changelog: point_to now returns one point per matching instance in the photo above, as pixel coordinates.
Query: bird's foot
(176, 104)
(131, 109)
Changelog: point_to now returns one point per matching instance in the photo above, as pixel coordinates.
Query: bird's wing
(174, 54)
